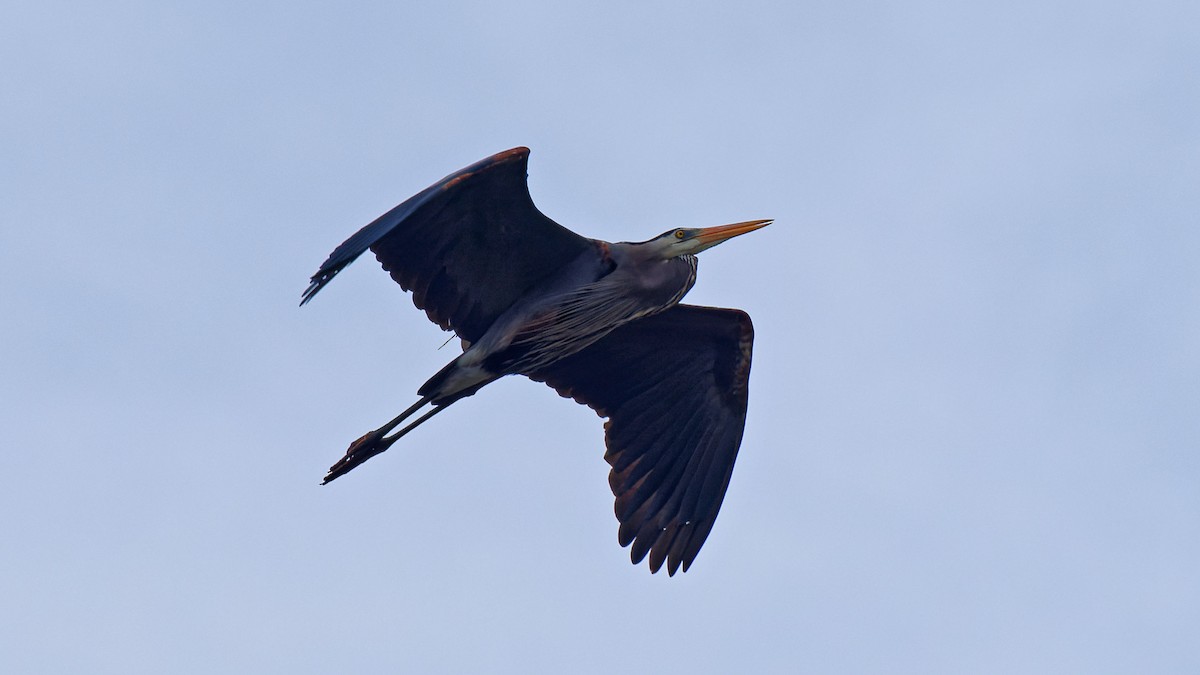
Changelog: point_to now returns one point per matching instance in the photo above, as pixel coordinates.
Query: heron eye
(679, 234)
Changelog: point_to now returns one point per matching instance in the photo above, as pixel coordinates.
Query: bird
(599, 322)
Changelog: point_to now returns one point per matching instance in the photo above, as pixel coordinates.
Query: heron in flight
(599, 322)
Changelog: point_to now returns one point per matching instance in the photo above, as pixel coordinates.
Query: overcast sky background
(973, 443)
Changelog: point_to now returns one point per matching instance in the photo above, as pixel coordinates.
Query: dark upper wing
(673, 386)
(467, 247)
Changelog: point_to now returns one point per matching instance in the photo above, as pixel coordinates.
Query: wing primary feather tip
(315, 284)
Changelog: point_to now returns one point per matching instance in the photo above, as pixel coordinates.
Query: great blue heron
(598, 322)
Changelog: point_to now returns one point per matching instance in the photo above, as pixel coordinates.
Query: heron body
(581, 303)
(600, 322)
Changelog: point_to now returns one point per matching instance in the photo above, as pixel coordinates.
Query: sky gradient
(972, 445)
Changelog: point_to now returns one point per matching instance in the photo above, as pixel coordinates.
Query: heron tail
(455, 381)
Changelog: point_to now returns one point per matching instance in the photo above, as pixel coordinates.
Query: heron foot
(359, 451)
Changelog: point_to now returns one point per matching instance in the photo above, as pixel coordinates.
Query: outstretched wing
(467, 247)
(673, 386)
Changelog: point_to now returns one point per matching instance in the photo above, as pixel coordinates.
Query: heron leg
(387, 442)
(373, 443)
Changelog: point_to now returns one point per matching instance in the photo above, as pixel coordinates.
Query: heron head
(682, 241)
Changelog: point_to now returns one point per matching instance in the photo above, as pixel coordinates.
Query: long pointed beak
(711, 236)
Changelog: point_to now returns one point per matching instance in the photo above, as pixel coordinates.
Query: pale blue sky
(973, 443)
